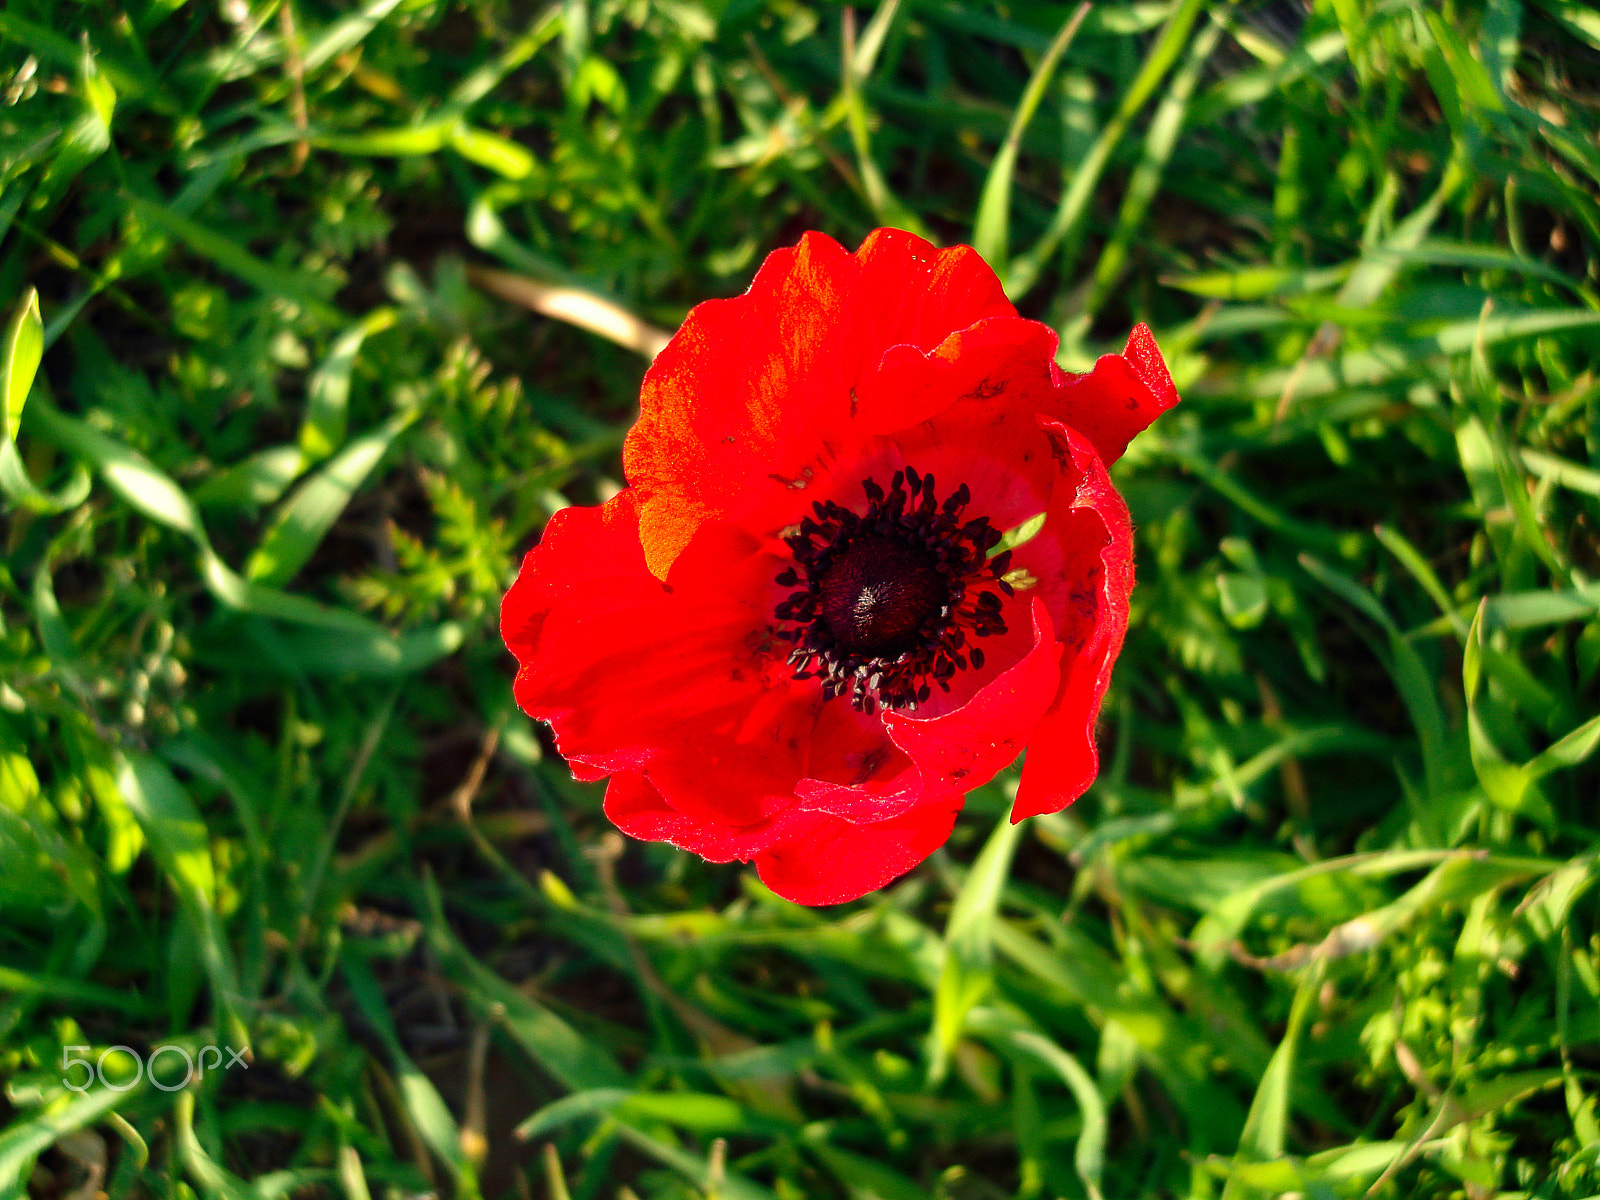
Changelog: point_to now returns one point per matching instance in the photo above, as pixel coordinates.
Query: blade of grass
(698, 1171)
(574, 1061)
(425, 1108)
(1422, 571)
(323, 431)
(25, 1140)
(991, 227)
(181, 846)
(1389, 360)
(1089, 1153)
(299, 287)
(345, 34)
(968, 970)
(209, 1176)
(1412, 679)
(1081, 179)
(1160, 140)
(298, 527)
(1266, 1126)
(152, 492)
(856, 62)
(20, 354)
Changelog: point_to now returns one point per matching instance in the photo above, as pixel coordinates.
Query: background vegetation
(1326, 925)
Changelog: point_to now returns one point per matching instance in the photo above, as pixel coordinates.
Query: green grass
(1325, 926)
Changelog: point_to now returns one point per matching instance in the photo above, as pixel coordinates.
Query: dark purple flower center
(879, 593)
(888, 597)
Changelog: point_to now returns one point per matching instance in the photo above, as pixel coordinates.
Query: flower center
(878, 594)
(888, 597)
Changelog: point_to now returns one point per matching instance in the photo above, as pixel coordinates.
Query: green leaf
(306, 516)
(369, 652)
(1266, 1126)
(345, 34)
(1221, 927)
(990, 229)
(172, 825)
(23, 1142)
(411, 141)
(1019, 534)
(887, 208)
(424, 1107)
(1568, 751)
(324, 427)
(1259, 282)
(20, 355)
(1509, 786)
(1412, 678)
(1473, 85)
(1089, 1155)
(129, 473)
(1161, 138)
(211, 1177)
(1530, 610)
(727, 1185)
(308, 291)
(699, 1111)
(154, 493)
(866, 1178)
(501, 155)
(97, 90)
(259, 479)
(181, 846)
(1081, 179)
(572, 1060)
(1243, 598)
(968, 970)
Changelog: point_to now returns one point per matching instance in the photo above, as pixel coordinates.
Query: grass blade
(1083, 178)
(968, 971)
(306, 516)
(20, 353)
(991, 228)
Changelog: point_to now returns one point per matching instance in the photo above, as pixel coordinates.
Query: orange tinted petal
(752, 400)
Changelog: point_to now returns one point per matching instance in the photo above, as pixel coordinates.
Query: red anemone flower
(798, 637)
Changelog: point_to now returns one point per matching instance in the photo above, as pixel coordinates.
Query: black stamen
(888, 598)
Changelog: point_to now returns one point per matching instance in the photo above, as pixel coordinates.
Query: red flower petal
(911, 293)
(968, 414)
(1120, 397)
(1001, 359)
(634, 806)
(809, 858)
(963, 748)
(739, 411)
(637, 675)
(825, 860)
(851, 747)
(856, 771)
(1088, 521)
(645, 630)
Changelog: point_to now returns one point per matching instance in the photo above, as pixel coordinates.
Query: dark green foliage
(1325, 926)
